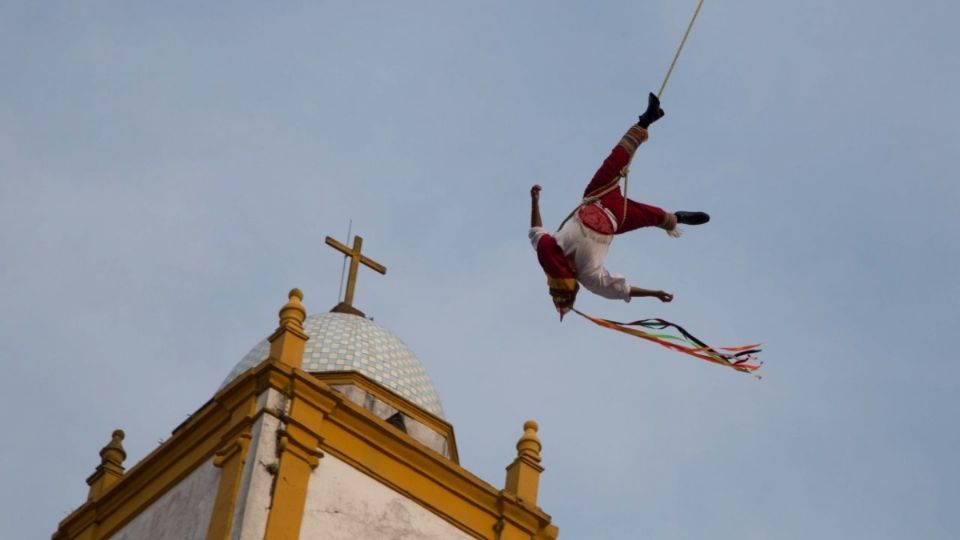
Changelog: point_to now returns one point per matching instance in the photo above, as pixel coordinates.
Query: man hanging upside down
(575, 254)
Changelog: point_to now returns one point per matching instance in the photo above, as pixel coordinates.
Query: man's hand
(535, 219)
(664, 296)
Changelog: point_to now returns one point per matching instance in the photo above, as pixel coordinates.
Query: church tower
(329, 429)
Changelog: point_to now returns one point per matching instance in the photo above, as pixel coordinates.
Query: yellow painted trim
(523, 479)
(231, 459)
(299, 454)
(105, 476)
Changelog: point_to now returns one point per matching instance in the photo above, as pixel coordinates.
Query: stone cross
(355, 259)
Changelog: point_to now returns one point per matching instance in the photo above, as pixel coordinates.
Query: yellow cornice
(339, 427)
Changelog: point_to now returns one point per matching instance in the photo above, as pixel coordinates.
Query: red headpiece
(560, 278)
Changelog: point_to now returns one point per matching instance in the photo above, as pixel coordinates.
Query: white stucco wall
(346, 504)
(183, 513)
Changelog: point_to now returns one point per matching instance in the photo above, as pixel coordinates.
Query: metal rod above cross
(356, 258)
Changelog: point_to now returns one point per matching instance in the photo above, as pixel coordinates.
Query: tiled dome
(344, 342)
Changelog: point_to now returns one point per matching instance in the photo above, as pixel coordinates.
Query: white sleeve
(601, 282)
(535, 234)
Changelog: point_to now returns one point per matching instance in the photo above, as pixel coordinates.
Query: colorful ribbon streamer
(742, 358)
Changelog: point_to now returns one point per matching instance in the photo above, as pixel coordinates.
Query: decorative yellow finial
(523, 475)
(113, 452)
(293, 312)
(111, 465)
(288, 340)
(529, 444)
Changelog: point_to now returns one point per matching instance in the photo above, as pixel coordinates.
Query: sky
(168, 171)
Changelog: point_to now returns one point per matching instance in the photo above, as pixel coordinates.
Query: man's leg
(645, 215)
(638, 215)
(619, 158)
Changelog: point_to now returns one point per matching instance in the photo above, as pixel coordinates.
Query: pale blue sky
(168, 172)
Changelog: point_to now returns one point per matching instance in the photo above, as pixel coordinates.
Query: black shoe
(653, 112)
(692, 218)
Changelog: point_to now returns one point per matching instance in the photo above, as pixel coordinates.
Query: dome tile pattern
(344, 342)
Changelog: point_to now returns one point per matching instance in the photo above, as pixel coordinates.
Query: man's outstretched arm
(662, 295)
(601, 282)
(535, 220)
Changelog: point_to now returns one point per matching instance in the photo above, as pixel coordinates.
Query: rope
(679, 49)
(624, 173)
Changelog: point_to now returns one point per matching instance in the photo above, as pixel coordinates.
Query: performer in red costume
(574, 255)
